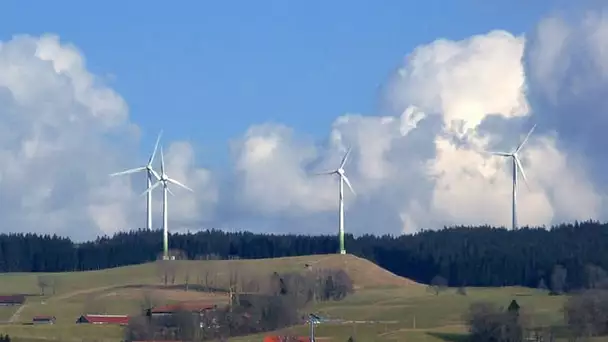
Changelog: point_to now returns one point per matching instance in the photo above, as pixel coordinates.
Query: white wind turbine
(343, 179)
(165, 180)
(516, 165)
(149, 174)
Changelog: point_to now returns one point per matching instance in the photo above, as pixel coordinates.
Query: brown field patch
(163, 295)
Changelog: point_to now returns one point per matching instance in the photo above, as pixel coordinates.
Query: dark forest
(465, 256)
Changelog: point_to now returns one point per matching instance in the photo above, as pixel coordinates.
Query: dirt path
(16, 314)
(79, 292)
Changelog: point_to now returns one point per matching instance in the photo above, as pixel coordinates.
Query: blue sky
(206, 70)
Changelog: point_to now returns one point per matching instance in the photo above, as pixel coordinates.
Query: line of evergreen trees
(471, 256)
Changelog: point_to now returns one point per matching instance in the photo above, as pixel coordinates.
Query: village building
(103, 319)
(168, 315)
(43, 320)
(169, 310)
(12, 300)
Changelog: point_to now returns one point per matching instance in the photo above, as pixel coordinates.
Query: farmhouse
(12, 300)
(169, 310)
(286, 339)
(169, 315)
(43, 320)
(104, 319)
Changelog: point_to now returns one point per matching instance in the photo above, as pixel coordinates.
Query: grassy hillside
(385, 307)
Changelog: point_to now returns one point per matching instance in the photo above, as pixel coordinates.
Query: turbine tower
(343, 179)
(516, 165)
(149, 174)
(164, 180)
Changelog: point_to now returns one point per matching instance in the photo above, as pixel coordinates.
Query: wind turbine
(165, 180)
(343, 179)
(314, 319)
(516, 165)
(149, 174)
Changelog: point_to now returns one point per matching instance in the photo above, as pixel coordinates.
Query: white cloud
(419, 165)
(423, 167)
(61, 133)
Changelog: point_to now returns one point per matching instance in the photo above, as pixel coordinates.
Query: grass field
(385, 307)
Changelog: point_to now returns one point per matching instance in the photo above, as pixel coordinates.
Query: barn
(43, 320)
(169, 310)
(12, 300)
(103, 319)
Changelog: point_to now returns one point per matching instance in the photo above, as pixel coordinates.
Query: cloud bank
(416, 164)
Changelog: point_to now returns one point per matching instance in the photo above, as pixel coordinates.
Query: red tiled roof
(193, 307)
(107, 319)
(275, 338)
(12, 299)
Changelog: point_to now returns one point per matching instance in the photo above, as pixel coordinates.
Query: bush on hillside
(490, 323)
(586, 313)
(277, 304)
(438, 284)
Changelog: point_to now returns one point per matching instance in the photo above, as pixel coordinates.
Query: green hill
(385, 307)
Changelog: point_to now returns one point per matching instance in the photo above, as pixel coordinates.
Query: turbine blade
(151, 188)
(525, 139)
(521, 169)
(348, 184)
(126, 172)
(502, 154)
(170, 192)
(155, 148)
(345, 158)
(155, 174)
(162, 162)
(170, 180)
(325, 173)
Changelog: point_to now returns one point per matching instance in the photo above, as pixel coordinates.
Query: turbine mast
(165, 227)
(514, 197)
(149, 203)
(341, 217)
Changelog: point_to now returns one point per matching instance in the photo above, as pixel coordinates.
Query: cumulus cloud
(417, 163)
(61, 133)
(422, 164)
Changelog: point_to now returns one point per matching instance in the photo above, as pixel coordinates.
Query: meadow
(384, 307)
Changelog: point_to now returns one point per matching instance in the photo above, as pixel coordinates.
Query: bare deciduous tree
(148, 300)
(186, 279)
(558, 280)
(596, 277)
(438, 284)
(586, 313)
(487, 322)
(461, 290)
(166, 270)
(542, 285)
(139, 329)
(233, 282)
(43, 283)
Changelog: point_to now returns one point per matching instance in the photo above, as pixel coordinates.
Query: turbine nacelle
(515, 158)
(340, 171)
(164, 179)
